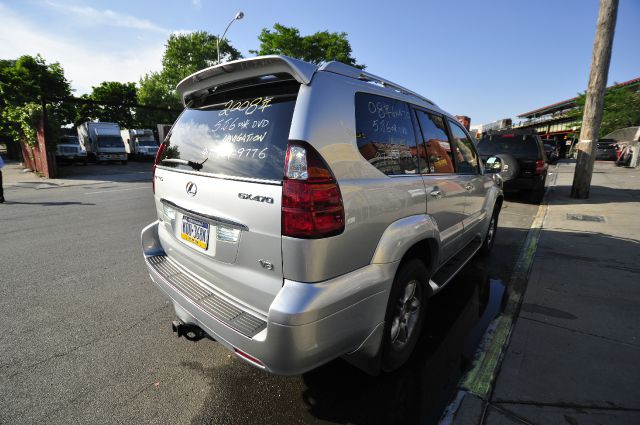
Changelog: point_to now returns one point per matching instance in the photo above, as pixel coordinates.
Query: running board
(451, 268)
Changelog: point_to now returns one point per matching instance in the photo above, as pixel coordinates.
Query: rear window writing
(238, 138)
(384, 132)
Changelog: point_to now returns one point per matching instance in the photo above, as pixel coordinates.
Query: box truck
(102, 141)
(140, 143)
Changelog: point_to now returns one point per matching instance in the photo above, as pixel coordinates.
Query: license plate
(195, 231)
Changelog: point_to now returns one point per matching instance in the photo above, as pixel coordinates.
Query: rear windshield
(513, 144)
(70, 140)
(110, 142)
(242, 137)
(147, 143)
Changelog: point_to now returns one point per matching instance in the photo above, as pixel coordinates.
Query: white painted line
(118, 190)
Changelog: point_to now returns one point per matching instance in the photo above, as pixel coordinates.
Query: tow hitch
(190, 332)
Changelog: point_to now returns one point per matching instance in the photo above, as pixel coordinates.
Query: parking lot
(88, 338)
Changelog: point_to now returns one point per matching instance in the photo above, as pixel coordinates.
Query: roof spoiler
(229, 72)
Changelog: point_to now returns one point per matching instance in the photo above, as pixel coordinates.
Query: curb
(479, 381)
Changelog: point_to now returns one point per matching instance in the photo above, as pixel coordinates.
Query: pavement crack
(564, 405)
(509, 414)
(579, 332)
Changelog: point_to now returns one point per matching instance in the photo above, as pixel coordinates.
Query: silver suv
(307, 213)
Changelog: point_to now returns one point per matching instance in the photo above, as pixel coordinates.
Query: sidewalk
(574, 353)
(15, 177)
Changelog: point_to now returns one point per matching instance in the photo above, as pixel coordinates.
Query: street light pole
(238, 16)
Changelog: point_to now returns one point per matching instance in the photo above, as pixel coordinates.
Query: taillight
(155, 163)
(540, 166)
(311, 201)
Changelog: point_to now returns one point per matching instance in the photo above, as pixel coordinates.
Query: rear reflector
(312, 205)
(155, 163)
(248, 357)
(540, 166)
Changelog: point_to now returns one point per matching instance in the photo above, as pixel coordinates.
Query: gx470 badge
(257, 198)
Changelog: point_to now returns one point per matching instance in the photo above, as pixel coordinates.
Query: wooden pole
(592, 117)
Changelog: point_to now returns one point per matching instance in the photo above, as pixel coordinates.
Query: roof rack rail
(358, 74)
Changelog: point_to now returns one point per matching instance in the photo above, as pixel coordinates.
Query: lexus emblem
(192, 189)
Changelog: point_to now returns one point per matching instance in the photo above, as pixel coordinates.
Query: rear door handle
(469, 187)
(436, 194)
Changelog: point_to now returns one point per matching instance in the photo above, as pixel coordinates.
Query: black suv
(523, 151)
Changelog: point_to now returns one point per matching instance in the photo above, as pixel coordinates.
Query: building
(552, 121)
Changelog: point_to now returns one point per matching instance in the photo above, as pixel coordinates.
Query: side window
(384, 133)
(466, 155)
(436, 142)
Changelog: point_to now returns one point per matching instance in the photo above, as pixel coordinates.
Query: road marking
(118, 190)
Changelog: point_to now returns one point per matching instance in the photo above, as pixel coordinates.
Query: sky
(489, 59)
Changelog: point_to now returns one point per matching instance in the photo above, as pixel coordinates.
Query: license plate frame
(195, 232)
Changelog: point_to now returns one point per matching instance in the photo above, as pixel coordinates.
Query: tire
(123, 162)
(490, 236)
(405, 313)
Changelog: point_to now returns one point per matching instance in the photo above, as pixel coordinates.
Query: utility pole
(592, 117)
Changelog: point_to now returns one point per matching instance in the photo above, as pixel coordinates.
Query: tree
(621, 109)
(157, 92)
(114, 102)
(187, 53)
(23, 84)
(322, 46)
(184, 54)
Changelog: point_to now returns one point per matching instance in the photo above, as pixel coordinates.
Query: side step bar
(454, 265)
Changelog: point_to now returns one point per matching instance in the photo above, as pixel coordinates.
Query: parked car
(607, 150)
(526, 152)
(300, 219)
(69, 151)
(551, 150)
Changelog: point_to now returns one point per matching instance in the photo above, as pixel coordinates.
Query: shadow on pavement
(418, 392)
(339, 393)
(46, 204)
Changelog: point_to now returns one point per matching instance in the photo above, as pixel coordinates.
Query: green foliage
(187, 53)
(621, 109)
(23, 83)
(184, 54)
(157, 92)
(322, 46)
(115, 104)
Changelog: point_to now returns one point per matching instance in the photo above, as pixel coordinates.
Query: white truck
(102, 141)
(140, 143)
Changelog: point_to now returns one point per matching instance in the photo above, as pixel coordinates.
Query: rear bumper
(307, 324)
(524, 183)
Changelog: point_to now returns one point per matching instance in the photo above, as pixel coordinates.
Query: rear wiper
(195, 165)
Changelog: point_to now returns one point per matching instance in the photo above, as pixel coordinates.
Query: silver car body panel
(320, 298)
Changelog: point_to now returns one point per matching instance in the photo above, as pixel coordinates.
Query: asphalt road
(87, 335)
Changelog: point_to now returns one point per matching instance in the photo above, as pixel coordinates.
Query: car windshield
(148, 142)
(69, 141)
(110, 142)
(512, 144)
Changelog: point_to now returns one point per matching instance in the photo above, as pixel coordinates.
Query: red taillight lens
(155, 163)
(311, 202)
(540, 166)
